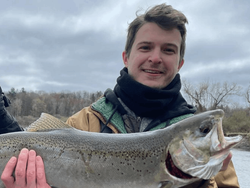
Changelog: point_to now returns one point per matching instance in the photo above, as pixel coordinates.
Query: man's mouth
(152, 71)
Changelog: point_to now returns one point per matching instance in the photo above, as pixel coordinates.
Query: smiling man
(146, 97)
(154, 59)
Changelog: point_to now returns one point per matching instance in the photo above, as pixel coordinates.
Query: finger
(6, 177)
(226, 162)
(20, 171)
(40, 173)
(31, 169)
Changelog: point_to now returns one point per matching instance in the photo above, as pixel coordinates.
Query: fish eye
(206, 126)
(205, 130)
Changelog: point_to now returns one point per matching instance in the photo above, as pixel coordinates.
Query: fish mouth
(230, 142)
(174, 170)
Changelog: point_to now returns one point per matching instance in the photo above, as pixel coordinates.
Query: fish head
(200, 146)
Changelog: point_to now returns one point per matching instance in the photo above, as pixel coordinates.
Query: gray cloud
(77, 45)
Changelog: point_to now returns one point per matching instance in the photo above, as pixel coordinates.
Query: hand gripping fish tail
(191, 150)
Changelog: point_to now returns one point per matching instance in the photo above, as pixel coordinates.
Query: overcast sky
(75, 45)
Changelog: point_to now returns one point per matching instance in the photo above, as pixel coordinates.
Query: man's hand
(29, 171)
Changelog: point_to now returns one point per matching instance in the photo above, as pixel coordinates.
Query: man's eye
(169, 50)
(144, 47)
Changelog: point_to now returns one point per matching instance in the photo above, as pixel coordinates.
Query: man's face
(155, 56)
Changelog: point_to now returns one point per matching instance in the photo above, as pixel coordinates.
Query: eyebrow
(172, 45)
(149, 43)
(144, 42)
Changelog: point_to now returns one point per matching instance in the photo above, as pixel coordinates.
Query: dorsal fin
(47, 122)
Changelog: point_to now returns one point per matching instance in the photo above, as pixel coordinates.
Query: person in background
(7, 122)
(146, 97)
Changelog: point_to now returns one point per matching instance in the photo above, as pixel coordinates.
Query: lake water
(241, 160)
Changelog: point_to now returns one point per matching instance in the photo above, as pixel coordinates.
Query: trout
(175, 156)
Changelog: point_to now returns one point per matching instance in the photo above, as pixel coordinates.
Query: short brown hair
(165, 17)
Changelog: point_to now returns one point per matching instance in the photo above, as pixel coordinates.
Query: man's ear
(180, 64)
(125, 58)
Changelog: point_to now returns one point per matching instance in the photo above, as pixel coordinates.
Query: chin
(154, 86)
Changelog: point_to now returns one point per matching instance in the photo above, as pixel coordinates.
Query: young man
(146, 97)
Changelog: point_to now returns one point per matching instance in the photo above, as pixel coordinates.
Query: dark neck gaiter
(161, 104)
(146, 101)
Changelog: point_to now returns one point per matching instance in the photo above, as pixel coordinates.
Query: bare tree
(247, 95)
(220, 92)
(16, 107)
(38, 107)
(209, 96)
(197, 94)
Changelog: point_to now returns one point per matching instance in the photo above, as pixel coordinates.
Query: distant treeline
(28, 106)
(63, 104)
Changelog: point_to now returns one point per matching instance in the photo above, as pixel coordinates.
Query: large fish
(180, 154)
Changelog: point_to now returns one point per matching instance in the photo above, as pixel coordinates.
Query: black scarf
(160, 104)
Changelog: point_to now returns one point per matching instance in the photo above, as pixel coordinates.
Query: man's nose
(155, 56)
